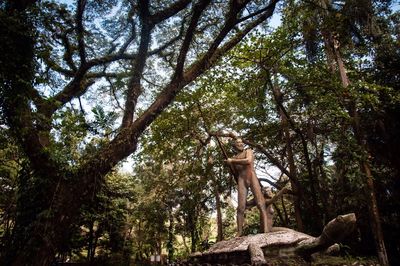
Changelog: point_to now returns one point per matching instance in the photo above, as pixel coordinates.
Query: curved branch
(80, 30)
(197, 10)
(134, 86)
(68, 51)
(169, 11)
(258, 12)
(79, 84)
(197, 68)
(214, 53)
(126, 141)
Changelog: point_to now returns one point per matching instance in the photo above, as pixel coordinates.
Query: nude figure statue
(243, 164)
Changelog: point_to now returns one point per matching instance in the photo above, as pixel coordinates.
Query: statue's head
(238, 144)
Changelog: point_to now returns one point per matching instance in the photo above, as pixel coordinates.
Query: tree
(12, 166)
(335, 60)
(53, 56)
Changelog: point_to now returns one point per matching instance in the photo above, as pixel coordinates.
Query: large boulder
(281, 242)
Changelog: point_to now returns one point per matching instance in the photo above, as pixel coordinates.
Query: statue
(243, 165)
(269, 196)
(273, 242)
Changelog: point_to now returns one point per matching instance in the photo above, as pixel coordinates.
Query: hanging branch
(251, 203)
(225, 154)
(231, 170)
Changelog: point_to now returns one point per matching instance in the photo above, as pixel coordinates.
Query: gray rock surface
(281, 242)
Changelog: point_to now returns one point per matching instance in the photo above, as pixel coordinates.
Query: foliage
(87, 85)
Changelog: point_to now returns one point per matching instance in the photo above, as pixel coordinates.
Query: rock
(256, 255)
(281, 242)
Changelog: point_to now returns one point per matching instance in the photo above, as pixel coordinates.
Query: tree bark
(289, 152)
(220, 232)
(171, 237)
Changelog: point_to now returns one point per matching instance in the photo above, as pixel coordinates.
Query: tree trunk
(41, 225)
(365, 168)
(290, 158)
(38, 226)
(278, 211)
(96, 240)
(220, 233)
(375, 217)
(318, 170)
(192, 220)
(90, 242)
(285, 212)
(333, 48)
(171, 237)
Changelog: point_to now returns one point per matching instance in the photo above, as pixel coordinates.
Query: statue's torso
(243, 170)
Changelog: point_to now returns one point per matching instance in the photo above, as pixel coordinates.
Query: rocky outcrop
(281, 242)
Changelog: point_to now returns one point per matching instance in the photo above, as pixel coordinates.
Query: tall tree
(335, 58)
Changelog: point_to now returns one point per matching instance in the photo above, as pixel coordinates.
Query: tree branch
(80, 30)
(197, 10)
(134, 86)
(169, 11)
(170, 42)
(68, 51)
(126, 140)
(196, 69)
(214, 53)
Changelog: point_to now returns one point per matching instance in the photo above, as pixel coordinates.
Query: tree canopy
(88, 84)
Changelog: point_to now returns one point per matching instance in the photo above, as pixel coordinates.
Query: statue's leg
(260, 200)
(242, 195)
(270, 213)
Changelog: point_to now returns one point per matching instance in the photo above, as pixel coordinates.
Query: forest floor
(297, 261)
(325, 261)
(349, 261)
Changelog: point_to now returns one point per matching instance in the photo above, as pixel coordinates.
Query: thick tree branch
(134, 86)
(169, 11)
(57, 68)
(258, 12)
(68, 52)
(197, 11)
(73, 89)
(126, 141)
(215, 54)
(78, 85)
(80, 30)
(196, 69)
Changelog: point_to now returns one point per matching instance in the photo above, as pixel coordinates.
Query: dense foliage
(87, 85)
